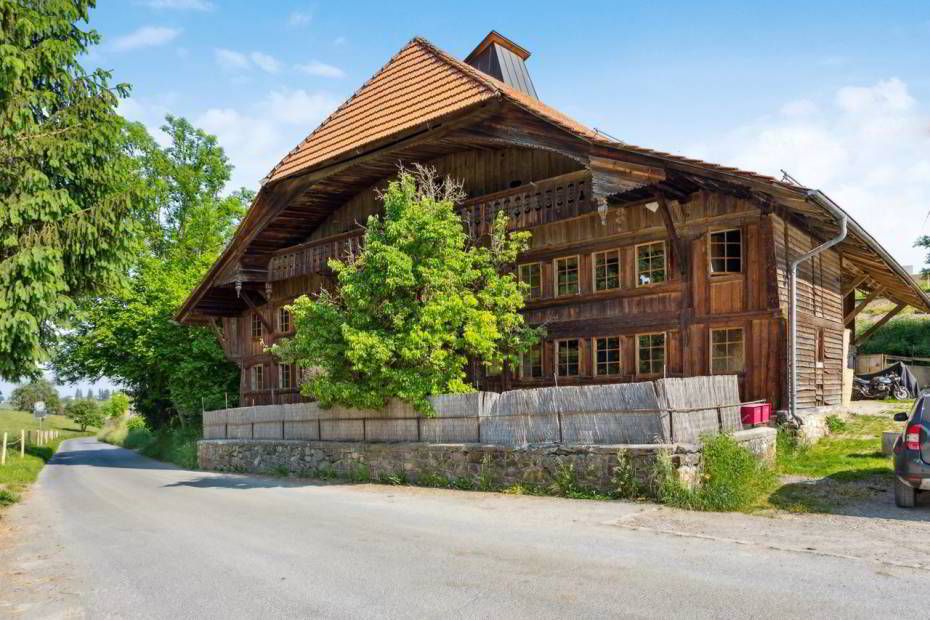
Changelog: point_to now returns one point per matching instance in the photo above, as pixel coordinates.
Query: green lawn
(844, 466)
(20, 472)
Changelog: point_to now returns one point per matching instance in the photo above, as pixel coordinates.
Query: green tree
(117, 406)
(420, 301)
(40, 389)
(85, 413)
(68, 193)
(168, 369)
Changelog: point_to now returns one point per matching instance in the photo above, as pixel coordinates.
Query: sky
(835, 93)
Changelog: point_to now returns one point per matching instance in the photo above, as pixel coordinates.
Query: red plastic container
(758, 413)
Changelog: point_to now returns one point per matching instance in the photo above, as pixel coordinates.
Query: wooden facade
(641, 264)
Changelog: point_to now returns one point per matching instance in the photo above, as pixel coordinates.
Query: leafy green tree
(419, 302)
(85, 413)
(117, 406)
(168, 369)
(24, 397)
(69, 208)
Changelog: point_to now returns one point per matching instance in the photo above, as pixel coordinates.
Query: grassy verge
(174, 445)
(20, 472)
(842, 467)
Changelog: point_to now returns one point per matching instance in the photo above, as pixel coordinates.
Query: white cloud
(868, 147)
(258, 138)
(265, 62)
(299, 18)
(340, 41)
(147, 36)
(180, 5)
(321, 69)
(239, 62)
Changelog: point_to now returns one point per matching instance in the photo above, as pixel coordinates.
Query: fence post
(319, 429)
(558, 416)
(364, 430)
(22, 443)
(419, 431)
(719, 420)
(3, 451)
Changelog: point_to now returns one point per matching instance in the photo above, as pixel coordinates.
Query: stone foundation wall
(592, 468)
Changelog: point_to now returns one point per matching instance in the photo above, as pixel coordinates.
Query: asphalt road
(107, 533)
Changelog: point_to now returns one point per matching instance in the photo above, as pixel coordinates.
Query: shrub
(836, 424)
(85, 413)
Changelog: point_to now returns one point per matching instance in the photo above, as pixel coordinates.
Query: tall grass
(905, 336)
(732, 479)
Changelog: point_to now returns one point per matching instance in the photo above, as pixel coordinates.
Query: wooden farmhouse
(642, 264)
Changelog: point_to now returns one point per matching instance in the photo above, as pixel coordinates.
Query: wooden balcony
(558, 198)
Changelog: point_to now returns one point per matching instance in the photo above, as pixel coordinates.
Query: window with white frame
(284, 320)
(566, 276)
(727, 350)
(650, 354)
(256, 325)
(651, 267)
(284, 376)
(607, 356)
(531, 275)
(568, 355)
(606, 270)
(726, 251)
(531, 363)
(258, 378)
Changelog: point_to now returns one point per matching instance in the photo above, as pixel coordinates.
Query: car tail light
(912, 437)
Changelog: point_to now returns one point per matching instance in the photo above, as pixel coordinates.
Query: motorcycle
(880, 388)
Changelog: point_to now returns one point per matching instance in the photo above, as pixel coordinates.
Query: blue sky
(836, 93)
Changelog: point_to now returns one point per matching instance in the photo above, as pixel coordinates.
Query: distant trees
(117, 405)
(70, 213)
(420, 301)
(85, 413)
(24, 397)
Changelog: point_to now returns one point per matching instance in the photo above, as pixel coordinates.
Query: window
(531, 274)
(284, 320)
(568, 353)
(726, 350)
(606, 270)
(821, 348)
(258, 378)
(566, 276)
(650, 263)
(284, 376)
(531, 366)
(650, 354)
(726, 251)
(256, 325)
(607, 356)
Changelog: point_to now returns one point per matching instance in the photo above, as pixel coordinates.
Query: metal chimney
(503, 60)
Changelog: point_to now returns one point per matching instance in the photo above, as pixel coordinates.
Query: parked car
(912, 453)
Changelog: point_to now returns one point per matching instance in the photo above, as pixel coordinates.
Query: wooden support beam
(865, 302)
(677, 253)
(852, 286)
(871, 331)
(251, 304)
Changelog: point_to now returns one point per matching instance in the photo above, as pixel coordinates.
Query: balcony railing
(540, 202)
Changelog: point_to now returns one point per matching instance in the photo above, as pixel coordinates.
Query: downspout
(820, 199)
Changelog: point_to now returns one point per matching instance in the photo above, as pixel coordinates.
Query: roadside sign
(38, 409)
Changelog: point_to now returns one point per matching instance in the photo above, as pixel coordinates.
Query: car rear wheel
(904, 495)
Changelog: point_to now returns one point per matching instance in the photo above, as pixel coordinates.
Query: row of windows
(726, 355)
(284, 323)
(726, 256)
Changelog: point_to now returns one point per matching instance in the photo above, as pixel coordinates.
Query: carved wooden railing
(541, 202)
(549, 200)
